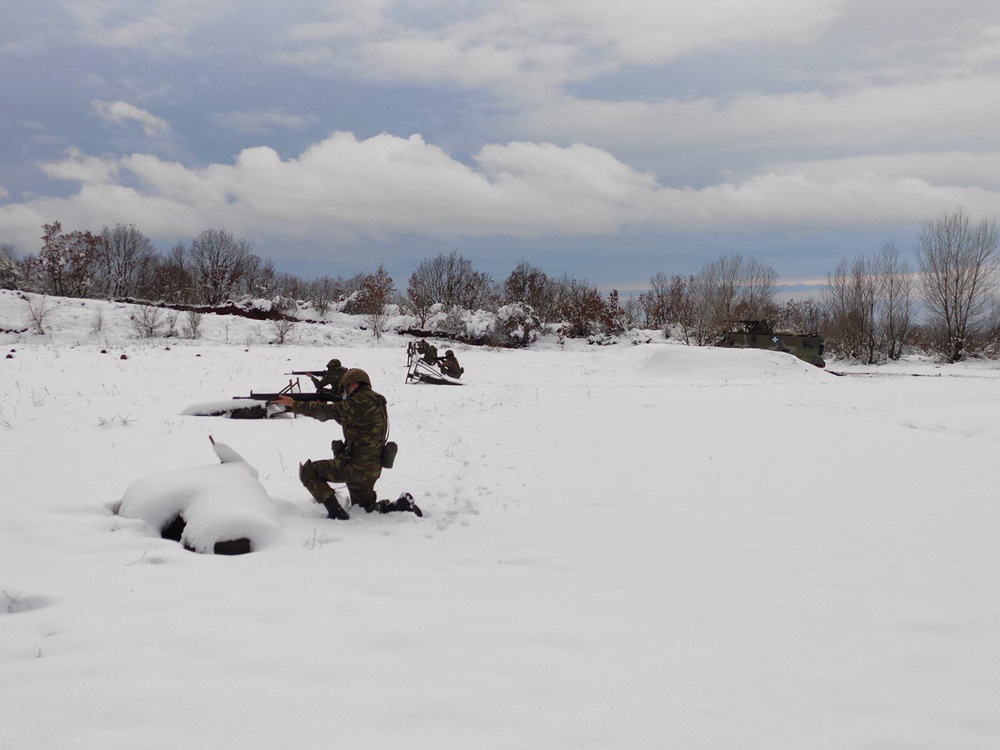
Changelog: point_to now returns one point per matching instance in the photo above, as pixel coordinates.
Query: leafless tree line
(870, 303)
(867, 312)
(869, 306)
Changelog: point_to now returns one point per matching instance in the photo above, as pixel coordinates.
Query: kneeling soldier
(358, 462)
(449, 365)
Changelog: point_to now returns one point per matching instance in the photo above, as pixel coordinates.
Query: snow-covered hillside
(623, 547)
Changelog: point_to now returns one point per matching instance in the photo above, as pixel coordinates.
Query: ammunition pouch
(389, 454)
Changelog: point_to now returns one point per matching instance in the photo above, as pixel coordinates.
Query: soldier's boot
(321, 491)
(334, 510)
(403, 503)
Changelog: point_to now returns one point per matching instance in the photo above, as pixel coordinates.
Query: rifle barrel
(320, 396)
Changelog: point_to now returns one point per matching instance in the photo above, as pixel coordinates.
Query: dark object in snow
(9, 356)
(104, 351)
(173, 530)
(760, 334)
(123, 357)
(233, 547)
(245, 412)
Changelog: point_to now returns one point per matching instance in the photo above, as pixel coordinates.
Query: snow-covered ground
(644, 546)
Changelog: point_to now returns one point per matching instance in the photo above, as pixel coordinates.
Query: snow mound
(711, 364)
(216, 504)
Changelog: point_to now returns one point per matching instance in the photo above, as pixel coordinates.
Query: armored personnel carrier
(760, 334)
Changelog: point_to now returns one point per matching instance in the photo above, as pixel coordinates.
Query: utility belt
(387, 457)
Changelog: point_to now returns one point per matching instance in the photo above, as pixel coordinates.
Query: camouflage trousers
(360, 478)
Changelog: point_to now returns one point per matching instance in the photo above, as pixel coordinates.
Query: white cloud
(123, 112)
(152, 26)
(347, 188)
(752, 127)
(540, 46)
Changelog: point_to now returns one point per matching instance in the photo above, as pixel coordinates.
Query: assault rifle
(310, 373)
(318, 396)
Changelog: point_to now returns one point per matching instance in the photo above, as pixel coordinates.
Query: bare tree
(715, 291)
(655, 303)
(192, 324)
(852, 294)
(804, 316)
(580, 307)
(258, 278)
(529, 285)
(68, 260)
(728, 289)
(322, 292)
(668, 301)
(681, 306)
(9, 271)
(125, 256)
(868, 307)
(757, 283)
(147, 321)
(450, 280)
(38, 308)
(282, 328)
(895, 308)
(958, 263)
(218, 263)
(170, 279)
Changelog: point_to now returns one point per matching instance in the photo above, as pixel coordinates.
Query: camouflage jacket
(429, 352)
(331, 378)
(450, 367)
(363, 416)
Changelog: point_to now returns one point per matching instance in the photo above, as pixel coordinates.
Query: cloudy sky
(607, 140)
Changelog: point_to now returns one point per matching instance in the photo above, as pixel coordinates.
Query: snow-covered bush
(516, 325)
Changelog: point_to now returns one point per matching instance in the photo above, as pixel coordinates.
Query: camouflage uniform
(331, 378)
(450, 366)
(364, 419)
(429, 352)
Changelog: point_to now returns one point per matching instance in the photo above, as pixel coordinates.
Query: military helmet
(354, 375)
(449, 353)
(333, 363)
